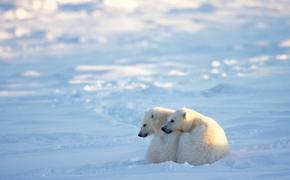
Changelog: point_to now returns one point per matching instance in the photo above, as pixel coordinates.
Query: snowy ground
(74, 112)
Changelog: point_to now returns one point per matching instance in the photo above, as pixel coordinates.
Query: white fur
(203, 140)
(162, 146)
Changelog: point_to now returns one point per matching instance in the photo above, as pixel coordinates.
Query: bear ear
(184, 115)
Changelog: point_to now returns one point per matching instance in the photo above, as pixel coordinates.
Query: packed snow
(77, 76)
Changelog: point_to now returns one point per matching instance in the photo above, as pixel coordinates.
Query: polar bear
(203, 140)
(162, 146)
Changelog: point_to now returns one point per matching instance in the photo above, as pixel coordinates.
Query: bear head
(182, 120)
(153, 120)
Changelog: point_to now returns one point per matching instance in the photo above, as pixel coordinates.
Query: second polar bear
(162, 147)
(203, 140)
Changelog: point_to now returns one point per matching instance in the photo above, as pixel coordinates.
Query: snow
(282, 57)
(176, 73)
(31, 73)
(73, 91)
(285, 43)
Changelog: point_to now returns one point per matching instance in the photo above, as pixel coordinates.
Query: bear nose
(139, 134)
(163, 129)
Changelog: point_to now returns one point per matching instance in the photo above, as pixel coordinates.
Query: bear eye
(152, 116)
(172, 121)
(144, 125)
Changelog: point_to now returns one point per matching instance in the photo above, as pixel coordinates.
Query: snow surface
(72, 99)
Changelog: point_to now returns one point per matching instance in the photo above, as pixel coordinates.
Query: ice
(77, 76)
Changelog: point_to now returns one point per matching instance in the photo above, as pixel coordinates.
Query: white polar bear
(162, 147)
(203, 140)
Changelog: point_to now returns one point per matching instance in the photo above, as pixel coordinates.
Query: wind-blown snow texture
(77, 76)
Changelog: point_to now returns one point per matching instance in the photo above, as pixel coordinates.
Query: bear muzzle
(143, 135)
(167, 131)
